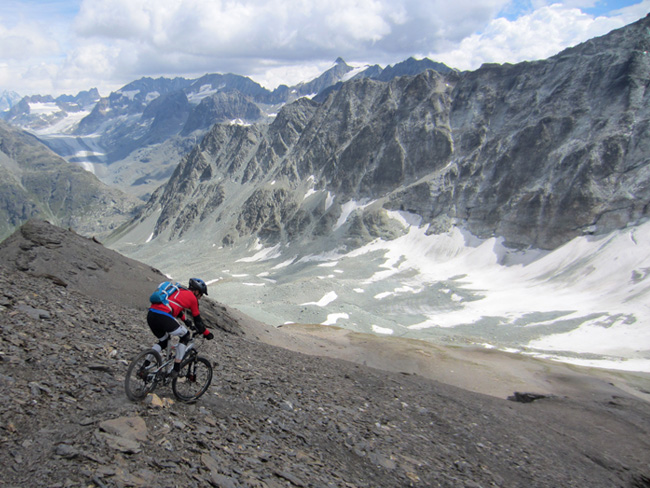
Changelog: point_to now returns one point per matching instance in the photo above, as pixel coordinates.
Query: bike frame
(159, 371)
(163, 371)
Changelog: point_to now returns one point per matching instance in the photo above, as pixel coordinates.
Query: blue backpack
(163, 292)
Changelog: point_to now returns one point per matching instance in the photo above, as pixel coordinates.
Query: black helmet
(198, 284)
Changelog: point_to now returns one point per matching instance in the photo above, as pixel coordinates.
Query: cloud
(108, 43)
(191, 34)
(26, 40)
(538, 35)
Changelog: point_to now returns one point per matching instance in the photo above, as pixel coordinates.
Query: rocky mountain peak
(8, 99)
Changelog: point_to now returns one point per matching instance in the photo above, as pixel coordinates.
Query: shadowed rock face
(536, 152)
(73, 316)
(36, 183)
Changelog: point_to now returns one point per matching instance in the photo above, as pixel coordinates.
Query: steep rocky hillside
(73, 315)
(537, 153)
(35, 182)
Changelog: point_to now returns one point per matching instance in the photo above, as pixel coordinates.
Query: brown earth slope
(72, 317)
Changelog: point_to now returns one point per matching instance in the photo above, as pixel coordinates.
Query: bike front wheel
(193, 379)
(141, 375)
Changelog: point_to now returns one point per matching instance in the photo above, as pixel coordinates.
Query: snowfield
(587, 302)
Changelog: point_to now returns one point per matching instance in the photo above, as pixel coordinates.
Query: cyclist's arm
(201, 328)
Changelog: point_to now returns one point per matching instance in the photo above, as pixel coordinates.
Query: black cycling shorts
(161, 324)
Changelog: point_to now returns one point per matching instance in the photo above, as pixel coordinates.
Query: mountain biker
(163, 319)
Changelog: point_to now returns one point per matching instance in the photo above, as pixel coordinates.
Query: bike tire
(193, 379)
(136, 386)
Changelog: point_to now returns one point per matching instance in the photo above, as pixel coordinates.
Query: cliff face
(561, 145)
(537, 153)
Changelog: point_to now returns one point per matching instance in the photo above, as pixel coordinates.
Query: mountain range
(537, 153)
(133, 138)
(259, 191)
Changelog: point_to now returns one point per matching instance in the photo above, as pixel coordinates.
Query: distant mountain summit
(411, 67)
(8, 99)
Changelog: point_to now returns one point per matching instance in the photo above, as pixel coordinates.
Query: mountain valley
(418, 276)
(505, 207)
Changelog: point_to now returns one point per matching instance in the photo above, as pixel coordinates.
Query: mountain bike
(149, 369)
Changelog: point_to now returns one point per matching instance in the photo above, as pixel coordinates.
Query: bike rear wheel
(141, 375)
(193, 379)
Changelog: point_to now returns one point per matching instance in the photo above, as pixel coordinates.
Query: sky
(65, 46)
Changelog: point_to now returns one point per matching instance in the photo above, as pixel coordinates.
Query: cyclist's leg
(161, 345)
(165, 326)
(161, 325)
(184, 337)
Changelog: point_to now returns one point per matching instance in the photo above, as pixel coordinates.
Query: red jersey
(180, 301)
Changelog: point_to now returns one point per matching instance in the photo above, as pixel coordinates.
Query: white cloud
(26, 40)
(259, 28)
(197, 36)
(538, 35)
(115, 19)
(108, 43)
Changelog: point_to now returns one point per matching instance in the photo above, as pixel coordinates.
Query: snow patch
(382, 330)
(407, 219)
(347, 209)
(353, 72)
(43, 108)
(334, 317)
(151, 96)
(284, 264)
(239, 122)
(329, 201)
(263, 255)
(204, 91)
(326, 300)
(130, 94)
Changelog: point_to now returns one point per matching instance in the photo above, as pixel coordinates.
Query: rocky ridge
(20, 114)
(272, 417)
